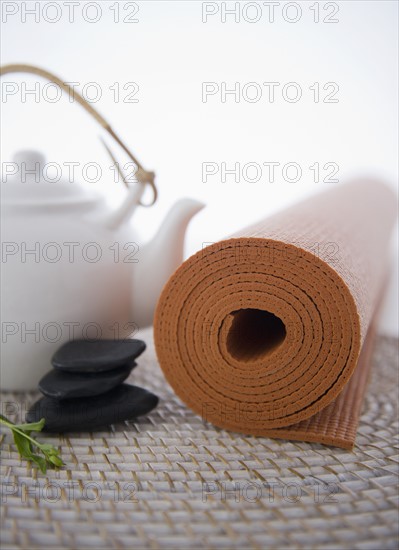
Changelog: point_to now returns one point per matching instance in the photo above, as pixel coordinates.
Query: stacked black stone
(85, 389)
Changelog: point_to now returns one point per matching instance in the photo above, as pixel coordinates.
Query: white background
(170, 52)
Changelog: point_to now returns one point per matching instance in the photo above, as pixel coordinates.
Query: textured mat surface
(171, 480)
(263, 331)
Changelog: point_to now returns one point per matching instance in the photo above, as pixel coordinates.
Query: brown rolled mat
(269, 332)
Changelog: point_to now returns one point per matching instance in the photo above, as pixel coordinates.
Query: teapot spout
(160, 258)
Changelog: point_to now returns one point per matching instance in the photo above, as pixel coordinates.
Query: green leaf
(52, 454)
(41, 462)
(56, 460)
(24, 446)
(32, 427)
(47, 448)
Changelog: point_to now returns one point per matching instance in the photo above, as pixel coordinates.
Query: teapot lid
(25, 183)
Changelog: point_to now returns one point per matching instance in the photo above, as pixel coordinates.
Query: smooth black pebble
(96, 355)
(64, 385)
(78, 415)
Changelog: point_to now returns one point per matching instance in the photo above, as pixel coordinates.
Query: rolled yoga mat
(270, 331)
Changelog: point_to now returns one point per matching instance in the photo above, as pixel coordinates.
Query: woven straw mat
(169, 480)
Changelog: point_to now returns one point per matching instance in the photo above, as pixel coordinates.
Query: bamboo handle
(144, 177)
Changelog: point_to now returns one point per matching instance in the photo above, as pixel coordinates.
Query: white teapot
(72, 269)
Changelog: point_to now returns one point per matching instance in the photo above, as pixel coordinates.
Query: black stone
(96, 355)
(78, 415)
(59, 384)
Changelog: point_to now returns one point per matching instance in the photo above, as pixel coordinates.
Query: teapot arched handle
(143, 176)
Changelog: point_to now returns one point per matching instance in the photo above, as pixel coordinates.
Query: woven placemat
(169, 480)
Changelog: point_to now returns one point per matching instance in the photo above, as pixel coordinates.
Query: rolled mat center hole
(254, 333)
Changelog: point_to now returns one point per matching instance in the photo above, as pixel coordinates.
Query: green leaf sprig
(27, 446)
